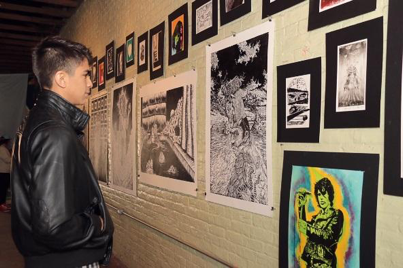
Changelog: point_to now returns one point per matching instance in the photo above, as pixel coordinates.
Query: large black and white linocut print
(99, 135)
(239, 120)
(298, 101)
(123, 141)
(168, 133)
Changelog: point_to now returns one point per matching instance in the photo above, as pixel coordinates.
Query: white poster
(239, 81)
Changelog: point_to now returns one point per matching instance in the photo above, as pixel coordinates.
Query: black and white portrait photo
(298, 101)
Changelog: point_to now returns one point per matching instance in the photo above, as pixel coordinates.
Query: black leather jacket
(56, 201)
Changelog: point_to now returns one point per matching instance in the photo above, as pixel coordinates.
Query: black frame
(369, 163)
(110, 47)
(143, 67)
(131, 62)
(120, 50)
(372, 31)
(94, 81)
(227, 17)
(311, 134)
(338, 13)
(393, 181)
(102, 86)
(183, 10)
(277, 6)
(210, 32)
(160, 71)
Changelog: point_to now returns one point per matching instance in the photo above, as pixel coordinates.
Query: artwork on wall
(204, 20)
(239, 119)
(393, 156)
(120, 64)
(352, 95)
(298, 101)
(84, 139)
(271, 7)
(142, 53)
(233, 9)
(178, 34)
(325, 12)
(157, 36)
(99, 135)
(328, 209)
(110, 60)
(101, 73)
(123, 143)
(130, 50)
(168, 152)
(94, 72)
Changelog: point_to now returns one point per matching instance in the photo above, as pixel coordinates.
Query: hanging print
(101, 73)
(178, 34)
(204, 20)
(328, 4)
(298, 101)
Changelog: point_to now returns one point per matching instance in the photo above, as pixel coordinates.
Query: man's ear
(61, 79)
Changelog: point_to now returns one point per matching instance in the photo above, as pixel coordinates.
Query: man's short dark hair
(325, 186)
(55, 54)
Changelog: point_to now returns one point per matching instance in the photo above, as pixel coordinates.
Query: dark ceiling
(23, 23)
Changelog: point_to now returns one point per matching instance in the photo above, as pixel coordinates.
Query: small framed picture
(354, 75)
(120, 64)
(130, 50)
(231, 10)
(101, 73)
(271, 7)
(157, 35)
(94, 72)
(178, 34)
(142, 53)
(110, 60)
(204, 20)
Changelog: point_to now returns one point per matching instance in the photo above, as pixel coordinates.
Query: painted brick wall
(240, 238)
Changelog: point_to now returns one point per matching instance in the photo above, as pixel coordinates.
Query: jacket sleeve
(55, 223)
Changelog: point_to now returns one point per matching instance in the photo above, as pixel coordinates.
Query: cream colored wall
(240, 238)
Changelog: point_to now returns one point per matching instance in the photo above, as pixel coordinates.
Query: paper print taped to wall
(168, 133)
(238, 123)
(123, 141)
(298, 93)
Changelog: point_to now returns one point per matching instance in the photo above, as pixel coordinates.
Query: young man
(59, 217)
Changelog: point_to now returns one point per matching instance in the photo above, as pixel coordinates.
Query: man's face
(80, 84)
(323, 199)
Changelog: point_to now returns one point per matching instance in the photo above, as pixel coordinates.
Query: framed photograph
(328, 210)
(130, 50)
(204, 20)
(354, 75)
(178, 34)
(325, 12)
(94, 72)
(120, 64)
(142, 53)
(393, 155)
(157, 36)
(271, 7)
(231, 10)
(110, 60)
(298, 101)
(101, 73)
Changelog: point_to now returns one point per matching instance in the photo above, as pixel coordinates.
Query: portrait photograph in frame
(94, 72)
(204, 20)
(110, 60)
(142, 53)
(326, 12)
(157, 36)
(328, 209)
(101, 73)
(231, 10)
(130, 50)
(354, 75)
(178, 35)
(120, 64)
(393, 155)
(271, 7)
(298, 101)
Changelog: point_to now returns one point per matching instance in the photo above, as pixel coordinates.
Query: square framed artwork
(393, 156)
(271, 7)
(204, 20)
(142, 53)
(178, 34)
(354, 75)
(325, 12)
(157, 36)
(110, 60)
(328, 209)
(130, 50)
(101, 73)
(94, 72)
(120, 64)
(231, 10)
(298, 101)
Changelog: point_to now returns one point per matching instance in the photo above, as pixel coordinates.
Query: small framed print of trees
(354, 75)
(130, 50)
(298, 101)
(178, 34)
(204, 20)
(271, 7)
(101, 73)
(110, 60)
(157, 35)
(142, 53)
(120, 64)
(233, 9)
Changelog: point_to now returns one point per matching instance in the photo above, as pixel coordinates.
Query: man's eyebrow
(87, 72)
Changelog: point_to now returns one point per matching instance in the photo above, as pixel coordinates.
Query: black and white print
(204, 17)
(298, 101)
(94, 72)
(110, 60)
(238, 149)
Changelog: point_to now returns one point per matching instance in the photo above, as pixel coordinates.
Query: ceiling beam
(18, 42)
(66, 3)
(54, 12)
(30, 29)
(20, 36)
(17, 17)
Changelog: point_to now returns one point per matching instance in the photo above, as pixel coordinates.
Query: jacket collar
(71, 114)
